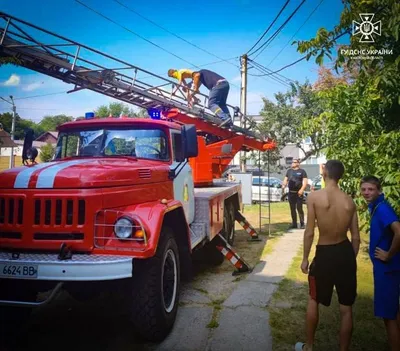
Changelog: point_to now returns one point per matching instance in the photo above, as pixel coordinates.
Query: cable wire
(34, 96)
(172, 33)
(134, 33)
(277, 77)
(267, 70)
(273, 36)
(302, 58)
(143, 38)
(298, 30)
(269, 27)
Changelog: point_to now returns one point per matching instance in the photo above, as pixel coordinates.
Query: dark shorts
(386, 294)
(334, 266)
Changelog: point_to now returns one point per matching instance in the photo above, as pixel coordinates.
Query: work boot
(226, 122)
(302, 226)
(293, 226)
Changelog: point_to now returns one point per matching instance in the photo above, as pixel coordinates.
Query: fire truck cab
(117, 204)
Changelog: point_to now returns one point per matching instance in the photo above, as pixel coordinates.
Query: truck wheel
(229, 223)
(13, 319)
(155, 287)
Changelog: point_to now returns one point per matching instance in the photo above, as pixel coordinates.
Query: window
(307, 140)
(288, 160)
(312, 160)
(142, 143)
(177, 147)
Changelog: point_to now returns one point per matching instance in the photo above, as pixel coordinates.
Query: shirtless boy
(335, 258)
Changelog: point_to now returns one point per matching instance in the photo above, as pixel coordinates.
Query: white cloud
(32, 86)
(14, 80)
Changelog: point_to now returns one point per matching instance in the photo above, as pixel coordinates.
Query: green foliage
(115, 109)
(50, 123)
(294, 116)
(46, 152)
(20, 125)
(361, 122)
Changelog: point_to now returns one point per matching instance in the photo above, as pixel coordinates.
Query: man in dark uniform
(219, 89)
(296, 179)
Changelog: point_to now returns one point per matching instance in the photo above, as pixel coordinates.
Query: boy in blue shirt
(384, 251)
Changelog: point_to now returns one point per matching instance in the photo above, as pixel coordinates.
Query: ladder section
(88, 68)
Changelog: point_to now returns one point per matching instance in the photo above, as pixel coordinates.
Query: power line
(143, 38)
(134, 33)
(273, 36)
(277, 78)
(264, 69)
(302, 58)
(175, 35)
(34, 96)
(269, 27)
(298, 30)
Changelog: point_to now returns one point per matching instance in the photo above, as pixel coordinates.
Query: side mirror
(29, 152)
(189, 141)
(32, 153)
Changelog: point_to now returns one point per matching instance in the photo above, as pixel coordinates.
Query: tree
(20, 125)
(288, 120)
(47, 152)
(50, 123)
(361, 121)
(116, 109)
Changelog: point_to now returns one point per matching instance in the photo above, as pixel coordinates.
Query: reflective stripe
(47, 177)
(23, 177)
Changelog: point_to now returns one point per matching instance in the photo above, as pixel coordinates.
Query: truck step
(197, 233)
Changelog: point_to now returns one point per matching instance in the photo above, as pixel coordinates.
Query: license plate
(18, 271)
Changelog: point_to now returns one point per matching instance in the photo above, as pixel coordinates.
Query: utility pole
(243, 105)
(12, 134)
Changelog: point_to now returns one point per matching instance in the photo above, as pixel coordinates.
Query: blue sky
(226, 28)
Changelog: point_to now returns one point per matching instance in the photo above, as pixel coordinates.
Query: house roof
(5, 140)
(52, 133)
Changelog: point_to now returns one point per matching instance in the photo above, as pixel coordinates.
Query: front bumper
(81, 267)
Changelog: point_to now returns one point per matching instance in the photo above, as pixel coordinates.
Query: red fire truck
(124, 202)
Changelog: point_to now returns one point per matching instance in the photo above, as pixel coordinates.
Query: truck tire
(155, 290)
(14, 319)
(229, 223)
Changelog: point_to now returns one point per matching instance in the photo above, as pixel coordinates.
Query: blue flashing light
(154, 113)
(89, 115)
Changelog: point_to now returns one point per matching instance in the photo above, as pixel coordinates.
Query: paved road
(243, 320)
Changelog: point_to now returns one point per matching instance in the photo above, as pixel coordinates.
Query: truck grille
(53, 211)
(11, 210)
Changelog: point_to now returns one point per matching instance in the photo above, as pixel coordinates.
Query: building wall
(6, 151)
(5, 162)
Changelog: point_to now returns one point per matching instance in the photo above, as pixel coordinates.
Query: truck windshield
(141, 143)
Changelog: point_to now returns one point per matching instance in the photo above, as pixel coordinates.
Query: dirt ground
(100, 324)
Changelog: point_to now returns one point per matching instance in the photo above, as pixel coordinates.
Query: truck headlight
(123, 228)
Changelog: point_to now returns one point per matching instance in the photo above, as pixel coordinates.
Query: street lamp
(14, 109)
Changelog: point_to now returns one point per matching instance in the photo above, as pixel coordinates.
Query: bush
(47, 152)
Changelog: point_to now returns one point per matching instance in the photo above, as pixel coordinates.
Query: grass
(217, 308)
(280, 220)
(203, 291)
(288, 306)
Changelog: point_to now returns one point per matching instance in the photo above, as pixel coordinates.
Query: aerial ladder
(87, 68)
